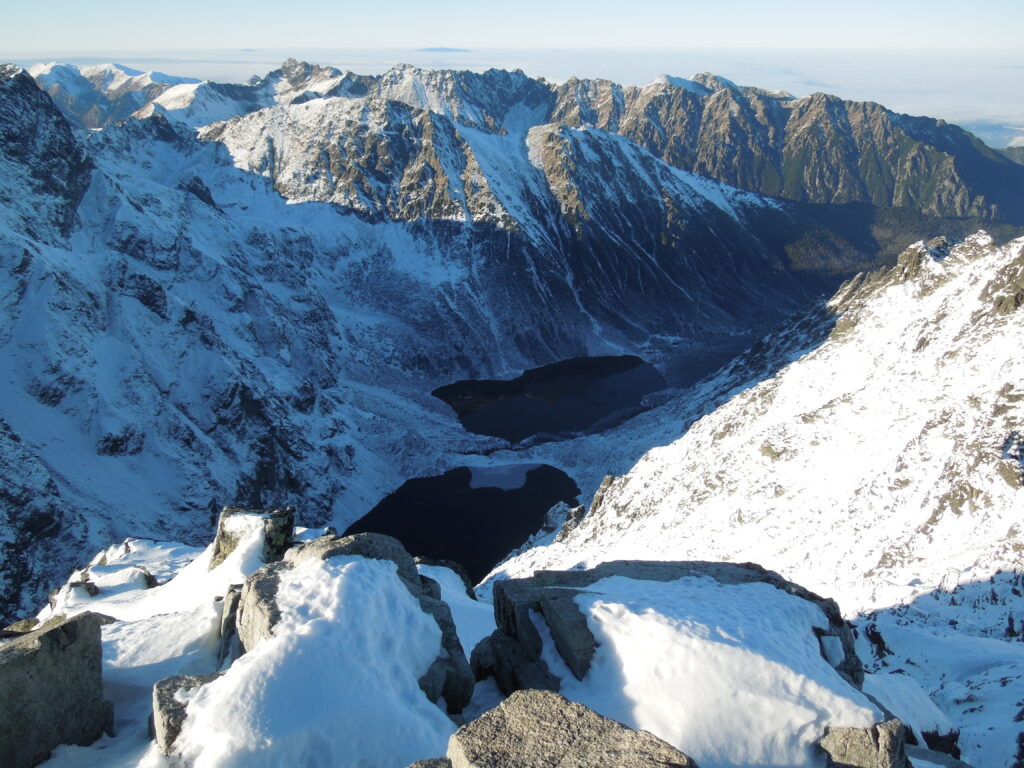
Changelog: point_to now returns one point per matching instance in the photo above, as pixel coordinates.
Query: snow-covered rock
(728, 663)
(337, 681)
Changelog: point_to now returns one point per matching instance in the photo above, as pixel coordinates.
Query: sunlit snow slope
(875, 469)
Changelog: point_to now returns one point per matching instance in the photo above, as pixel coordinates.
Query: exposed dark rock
(230, 644)
(943, 742)
(37, 147)
(169, 707)
(278, 528)
(568, 625)
(533, 729)
(257, 612)
(430, 587)
(51, 690)
(450, 676)
(883, 745)
(511, 665)
(434, 762)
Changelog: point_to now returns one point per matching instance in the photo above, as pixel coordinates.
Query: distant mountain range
(817, 149)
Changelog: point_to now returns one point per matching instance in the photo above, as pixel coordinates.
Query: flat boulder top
(541, 729)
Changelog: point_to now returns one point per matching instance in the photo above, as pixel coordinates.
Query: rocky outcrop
(540, 728)
(449, 677)
(880, 746)
(513, 653)
(51, 690)
(170, 701)
(235, 522)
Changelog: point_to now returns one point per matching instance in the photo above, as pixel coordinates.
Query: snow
(900, 694)
(170, 629)
(507, 477)
(336, 684)
(829, 450)
(730, 674)
(337, 681)
(474, 619)
(680, 82)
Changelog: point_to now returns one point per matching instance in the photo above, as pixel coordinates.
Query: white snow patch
(901, 695)
(474, 619)
(507, 477)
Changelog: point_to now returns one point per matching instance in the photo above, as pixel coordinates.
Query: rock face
(170, 700)
(820, 148)
(278, 527)
(51, 691)
(230, 645)
(881, 746)
(449, 677)
(38, 152)
(534, 729)
(513, 653)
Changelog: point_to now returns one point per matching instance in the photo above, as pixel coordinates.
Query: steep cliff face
(45, 170)
(818, 149)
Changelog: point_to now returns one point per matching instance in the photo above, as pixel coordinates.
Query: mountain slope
(179, 336)
(898, 437)
(819, 148)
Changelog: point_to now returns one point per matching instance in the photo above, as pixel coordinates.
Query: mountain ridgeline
(815, 149)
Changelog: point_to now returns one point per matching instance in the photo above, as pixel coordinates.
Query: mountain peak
(9, 72)
(681, 82)
(714, 82)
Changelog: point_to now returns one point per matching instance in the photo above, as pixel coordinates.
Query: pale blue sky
(189, 24)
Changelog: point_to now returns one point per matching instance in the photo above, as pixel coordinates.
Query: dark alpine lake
(473, 515)
(566, 397)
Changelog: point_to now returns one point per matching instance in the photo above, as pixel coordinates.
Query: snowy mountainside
(882, 467)
(897, 437)
(178, 336)
(94, 96)
(45, 170)
(99, 95)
